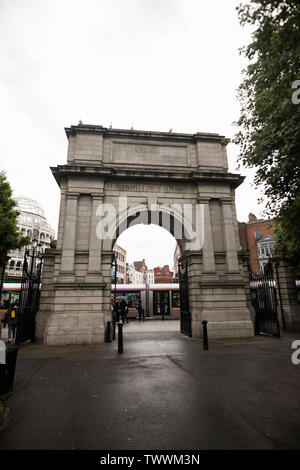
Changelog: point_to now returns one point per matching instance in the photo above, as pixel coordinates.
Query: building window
(257, 234)
(266, 248)
(18, 266)
(175, 299)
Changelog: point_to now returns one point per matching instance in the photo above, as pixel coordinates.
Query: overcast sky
(151, 64)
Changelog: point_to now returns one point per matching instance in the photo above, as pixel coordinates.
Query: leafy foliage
(269, 130)
(10, 238)
(287, 233)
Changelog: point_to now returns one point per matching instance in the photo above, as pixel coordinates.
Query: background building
(150, 275)
(163, 275)
(120, 255)
(138, 273)
(142, 268)
(257, 237)
(31, 222)
(134, 276)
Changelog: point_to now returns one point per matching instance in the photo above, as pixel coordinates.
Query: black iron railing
(264, 301)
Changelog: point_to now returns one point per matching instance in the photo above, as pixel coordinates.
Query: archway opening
(145, 279)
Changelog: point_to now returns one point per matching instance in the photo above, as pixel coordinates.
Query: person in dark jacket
(140, 309)
(11, 318)
(124, 309)
(117, 311)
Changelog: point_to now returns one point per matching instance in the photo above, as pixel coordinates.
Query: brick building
(141, 267)
(163, 275)
(257, 238)
(138, 273)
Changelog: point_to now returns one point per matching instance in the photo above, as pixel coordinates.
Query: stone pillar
(62, 210)
(68, 248)
(194, 262)
(289, 301)
(107, 257)
(232, 264)
(208, 257)
(95, 246)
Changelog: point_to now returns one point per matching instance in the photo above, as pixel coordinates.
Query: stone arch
(125, 221)
(150, 169)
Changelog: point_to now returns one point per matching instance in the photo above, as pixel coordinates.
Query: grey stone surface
(164, 392)
(147, 168)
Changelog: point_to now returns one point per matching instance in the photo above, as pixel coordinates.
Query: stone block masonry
(145, 167)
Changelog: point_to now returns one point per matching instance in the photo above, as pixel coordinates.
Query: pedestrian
(124, 310)
(123, 306)
(11, 318)
(2, 321)
(117, 311)
(140, 309)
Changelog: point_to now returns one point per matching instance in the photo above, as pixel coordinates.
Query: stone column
(232, 263)
(95, 246)
(289, 307)
(62, 209)
(208, 257)
(68, 248)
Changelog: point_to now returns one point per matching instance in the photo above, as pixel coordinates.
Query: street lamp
(33, 252)
(114, 272)
(115, 266)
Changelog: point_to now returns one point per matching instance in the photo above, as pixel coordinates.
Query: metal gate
(185, 314)
(30, 296)
(264, 301)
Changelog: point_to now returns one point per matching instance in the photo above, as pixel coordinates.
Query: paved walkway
(151, 326)
(164, 392)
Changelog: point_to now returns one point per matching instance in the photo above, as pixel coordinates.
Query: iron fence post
(280, 299)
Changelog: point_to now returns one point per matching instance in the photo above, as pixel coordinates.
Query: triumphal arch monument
(115, 178)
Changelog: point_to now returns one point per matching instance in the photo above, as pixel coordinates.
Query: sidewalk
(164, 392)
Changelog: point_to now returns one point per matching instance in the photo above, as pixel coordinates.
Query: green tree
(287, 233)
(10, 238)
(269, 130)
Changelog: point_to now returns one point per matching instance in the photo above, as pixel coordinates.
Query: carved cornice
(140, 134)
(111, 173)
(72, 194)
(228, 200)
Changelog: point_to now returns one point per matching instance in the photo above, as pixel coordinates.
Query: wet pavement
(163, 392)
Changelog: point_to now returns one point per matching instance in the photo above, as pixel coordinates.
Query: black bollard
(120, 337)
(7, 370)
(204, 335)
